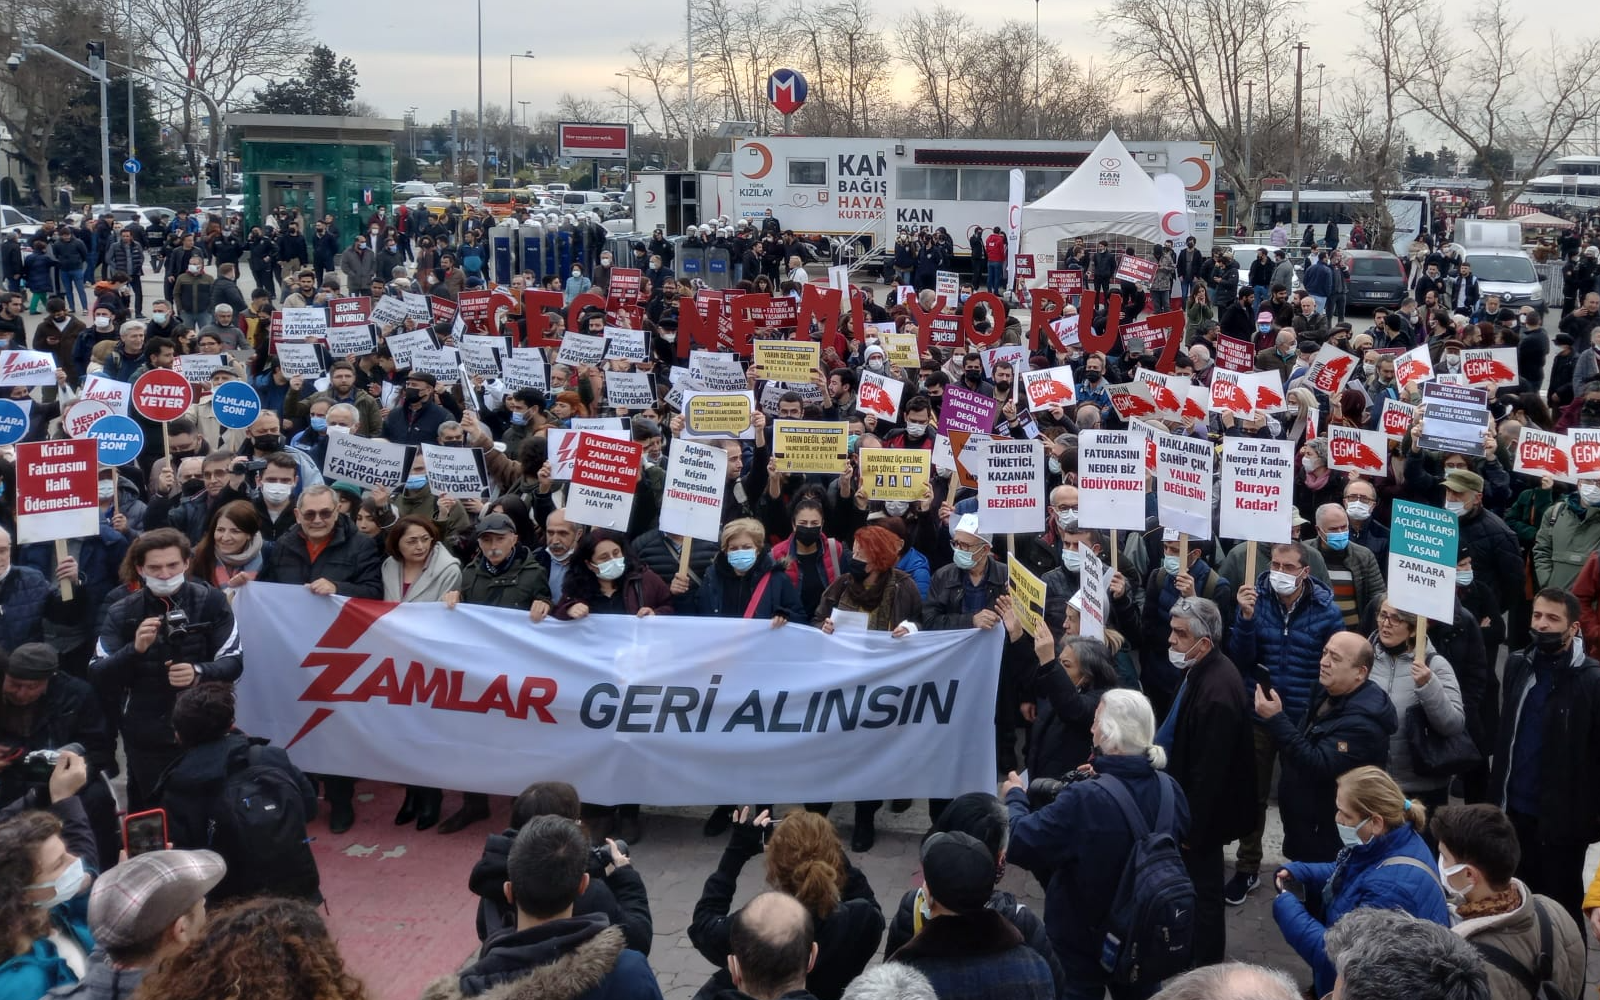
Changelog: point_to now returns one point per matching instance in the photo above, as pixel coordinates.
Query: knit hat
(958, 871)
(32, 661)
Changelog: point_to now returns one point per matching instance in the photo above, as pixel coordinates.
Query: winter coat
(410, 425)
(70, 254)
(514, 587)
(1570, 532)
(36, 270)
(1288, 643)
(640, 587)
(1365, 570)
(660, 553)
(942, 609)
(1393, 871)
(126, 257)
(1440, 699)
(440, 575)
(846, 939)
(567, 959)
(191, 293)
(972, 956)
(621, 895)
(1569, 781)
(1497, 555)
(67, 712)
(25, 595)
(1318, 279)
(1079, 845)
(1352, 732)
(1160, 594)
(725, 594)
(1517, 934)
(900, 594)
(358, 266)
(907, 922)
(833, 553)
(1213, 753)
(63, 343)
(1059, 740)
(350, 561)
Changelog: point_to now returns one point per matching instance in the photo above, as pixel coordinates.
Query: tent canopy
(1541, 220)
(1109, 193)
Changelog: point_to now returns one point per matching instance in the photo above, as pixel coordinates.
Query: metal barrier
(1554, 282)
(719, 267)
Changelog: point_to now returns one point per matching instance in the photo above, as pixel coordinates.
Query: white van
(1494, 249)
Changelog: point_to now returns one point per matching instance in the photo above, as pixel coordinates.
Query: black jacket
(1213, 753)
(1059, 740)
(942, 609)
(1569, 753)
(67, 712)
(904, 927)
(621, 896)
(351, 561)
(210, 642)
(1338, 734)
(1496, 553)
(565, 959)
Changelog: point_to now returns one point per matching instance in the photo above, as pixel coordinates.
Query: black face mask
(807, 534)
(267, 443)
(972, 378)
(857, 569)
(1092, 376)
(413, 394)
(1548, 642)
(192, 487)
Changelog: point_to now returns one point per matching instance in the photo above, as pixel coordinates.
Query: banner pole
(62, 554)
(1114, 554)
(1250, 564)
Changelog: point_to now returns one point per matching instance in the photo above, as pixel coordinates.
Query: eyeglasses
(318, 515)
(970, 546)
(1393, 618)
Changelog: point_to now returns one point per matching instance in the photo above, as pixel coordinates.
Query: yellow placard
(902, 349)
(788, 360)
(717, 413)
(810, 445)
(894, 473)
(1027, 594)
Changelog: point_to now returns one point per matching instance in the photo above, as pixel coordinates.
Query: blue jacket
(915, 565)
(1365, 876)
(23, 595)
(1318, 279)
(36, 270)
(723, 594)
(1289, 644)
(1078, 844)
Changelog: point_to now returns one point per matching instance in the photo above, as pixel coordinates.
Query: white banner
(660, 710)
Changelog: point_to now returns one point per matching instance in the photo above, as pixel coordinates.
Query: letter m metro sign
(786, 91)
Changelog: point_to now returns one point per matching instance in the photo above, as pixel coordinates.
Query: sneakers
(1239, 887)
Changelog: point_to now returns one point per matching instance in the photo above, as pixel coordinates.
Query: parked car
(218, 204)
(415, 189)
(1376, 279)
(13, 218)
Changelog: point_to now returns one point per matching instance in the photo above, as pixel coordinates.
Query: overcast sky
(413, 52)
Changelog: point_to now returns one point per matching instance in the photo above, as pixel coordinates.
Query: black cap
(422, 376)
(1308, 347)
(958, 871)
(1564, 339)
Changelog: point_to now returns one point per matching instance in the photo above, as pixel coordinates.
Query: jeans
(138, 293)
(1161, 301)
(997, 276)
(1261, 295)
(1322, 303)
(1187, 285)
(194, 320)
(1336, 306)
(72, 283)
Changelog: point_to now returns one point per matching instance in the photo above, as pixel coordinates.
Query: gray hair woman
(1431, 684)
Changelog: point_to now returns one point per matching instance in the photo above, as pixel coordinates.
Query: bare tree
(1368, 108)
(1494, 93)
(931, 43)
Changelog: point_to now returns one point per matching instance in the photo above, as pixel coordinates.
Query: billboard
(593, 141)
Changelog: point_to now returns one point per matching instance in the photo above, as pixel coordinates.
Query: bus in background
(1412, 213)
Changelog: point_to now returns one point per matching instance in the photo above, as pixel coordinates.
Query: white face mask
(107, 489)
(915, 431)
(1071, 558)
(1177, 659)
(65, 885)
(1283, 583)
(276, 493)
(1457, 507)
(163, 588)
(102, 322)
(194, 268)
(896, 508)
(1358, 510)
(1067, 520)
(1309, 463)
(1589, 493)
(338, 429)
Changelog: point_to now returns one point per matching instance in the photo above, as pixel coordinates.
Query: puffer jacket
(441, 575)
(1393, 871)
(24, 596)
(350, 561)
(1569, 533)
(127, 257)
(1569, 783)
(621, 895)
(660, 553)
(1354, 731)
(724, 594)
(1288, 643)
(1440, 699)
(1517, 934)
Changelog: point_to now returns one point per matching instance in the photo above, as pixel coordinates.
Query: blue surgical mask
(519, 417)
(416, 482)
(64, 886)
(319, 424)
(742, 559)
(611, 569)
(1463, 577)
(964, 559)
(1338, 541)
(1350, 836)
(1170, 564)
(850, 445)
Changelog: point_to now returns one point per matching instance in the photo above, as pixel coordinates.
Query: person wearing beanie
(965, 949)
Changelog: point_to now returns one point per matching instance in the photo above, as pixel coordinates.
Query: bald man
(772, 945)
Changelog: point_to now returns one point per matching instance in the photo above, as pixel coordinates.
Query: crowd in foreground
(1407, 870)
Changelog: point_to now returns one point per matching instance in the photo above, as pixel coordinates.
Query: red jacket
(1586, 588)
(833, 558)
(994, 248)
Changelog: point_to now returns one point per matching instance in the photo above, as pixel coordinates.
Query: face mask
(1283, 583)
(1066, 520)
(896, 508)
(276, 493)
(1170, 564)
(519, 417)
(192, 488)
(413, 394)
(194, 268)
(1350, 836)
(605, 261)
(361, 246)
(611, 569)
(851, 442)
(416, 482)
(1452, 361)
(1446, 873)
(1548, 642)
(972, 378)
(102, 322)
(163, 588)
(807, 534)
(1464, 577)
(159, 319)
(338, 429)
(1309, 463)
(1358, 510)
(914, 431)
(577, 274)
(65, 885)
(1457, 507)
(857, 569)
(1177, 659)
(1071, 558)
(107, 489)
(1054, 465)
(319, 424)
(267, 443)
(742, 559)
(1338, 541)
(1589, 493)
(963, 559)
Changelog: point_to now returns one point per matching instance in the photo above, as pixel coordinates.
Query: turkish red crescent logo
(650, 196)
(764, 154)
(1014, 216)
(1205, 173)
(354, 619)
(1167, 226)
(1538, 455)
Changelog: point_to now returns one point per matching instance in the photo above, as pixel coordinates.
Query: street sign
(132, 165)
(786, 91)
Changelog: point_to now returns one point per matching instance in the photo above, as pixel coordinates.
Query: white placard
(303, 360)
(403, 345)
(366, 462)
(481, 355)
(629, 345)
(28, 367)
(525, 369)
(1011, 494)
(692, 502)
(455, 471)
(1111, 480)
(304, 323)
(717, 372)
(1257, 489)
(580, 350)
(1049, 387)
(629, 390)
(1184, 483)
(879, 395)
(1093, 578)
(351, 341)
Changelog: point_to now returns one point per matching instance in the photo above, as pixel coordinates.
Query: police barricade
(691, 263)
(719, 267)
(530, 249)
(1553, 280)
(503, 252)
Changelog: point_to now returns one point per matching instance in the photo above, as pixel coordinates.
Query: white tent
(1109, 193)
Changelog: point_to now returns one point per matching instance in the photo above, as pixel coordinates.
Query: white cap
(1075, 602)
(968, 525)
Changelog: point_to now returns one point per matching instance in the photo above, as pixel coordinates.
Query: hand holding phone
(145, 832)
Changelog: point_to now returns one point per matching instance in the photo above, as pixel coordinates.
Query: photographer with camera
(169, 634)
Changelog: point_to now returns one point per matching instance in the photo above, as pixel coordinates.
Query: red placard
(475, 307)
(352, 310)
(606, 464)
(944, 331)
(1236, 355)
(162, 395)
(624, 286)
(1132, 268)
(1065, 282)
(1025, 265)
(443, 310)
(56, 489)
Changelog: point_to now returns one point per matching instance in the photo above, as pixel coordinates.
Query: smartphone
(145, 832)
(1263, 679)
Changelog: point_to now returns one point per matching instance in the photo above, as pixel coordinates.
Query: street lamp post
(511, 115)
(688, 35)
(629, 89)
(133, 143)
(1038, 107)
(1299, 106)
(1140, 92)
(97, 68)
(411, 130)
(482, 156)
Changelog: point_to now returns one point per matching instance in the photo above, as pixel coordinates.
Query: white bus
(1411, 211)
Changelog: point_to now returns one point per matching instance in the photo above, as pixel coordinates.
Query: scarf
(517, 555)
(250, 552)
(877, 601)
(1488, 906)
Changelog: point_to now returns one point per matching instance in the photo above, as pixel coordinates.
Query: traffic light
(97, 56)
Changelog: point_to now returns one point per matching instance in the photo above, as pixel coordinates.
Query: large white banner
(661, 710)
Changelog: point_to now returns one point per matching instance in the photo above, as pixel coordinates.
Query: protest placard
(605, 475)
(351, 341)
(1197, 404)
(525, 369)
(1540, 453)
(443, 363)
(1014, 355)
(1049, 387)
(1069, 282)
(778, 313)
(235, 404)
(161, 395)
(307, 360)
(580, 350)
(1011, 494)
(788, 360)
(894, 473)
(1330, 369)
(948, 284)
(389, 311)
(717, 371)
(1024, 265)
(1167, 392)
(1490, 367)
(197, 368)
(944, 331)
(1413, 367)
(1351, 449)
(304, 323)
(1027, 594)
(879, 395)
(1235, 355)
(440, 310)
(366, 462)
(349, 310)
(14, 421)
(418, 307)
(629, 390)
(1228, 393)
(624, 285)
(718, 414)
(114, 394)
(1132, 268)
(1066, 330)
(626, 344)
(403, 345)
(1184, 483)
(1111, 479)
(563, 447)
(810, 445)
(1585, 452)
(474, 310)
(455, 471)
(1132, 399)
(481, 355)
(28, 367)
(57, 495)
(1265, 390)
(118, 440)
(902, 349)
(1454, 418)
(1094, 577)
(1396, 418)
(81, 416)
(691, 504)
(966, 410)
(1423, 544)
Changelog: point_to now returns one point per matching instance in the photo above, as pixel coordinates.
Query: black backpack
(1538, 981)
(258, 825)
(1149, 931)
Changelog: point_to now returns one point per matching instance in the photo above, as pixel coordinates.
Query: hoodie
(620, 897)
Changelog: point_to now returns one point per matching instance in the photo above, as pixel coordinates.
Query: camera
(1043, 791)
(40, 764)
(602, 855)
(15, 62)
(174, 625)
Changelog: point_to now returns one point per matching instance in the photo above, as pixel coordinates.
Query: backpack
(258, 825)
(1538, 981)
(1149, 931)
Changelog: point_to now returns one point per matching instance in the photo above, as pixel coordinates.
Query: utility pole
(133, 141)
(688, 36)
(483, 156)
(1249, 123)
(98, 68)
(511, 110)
(1299, 106)
(1038, 108)
(455, 145)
